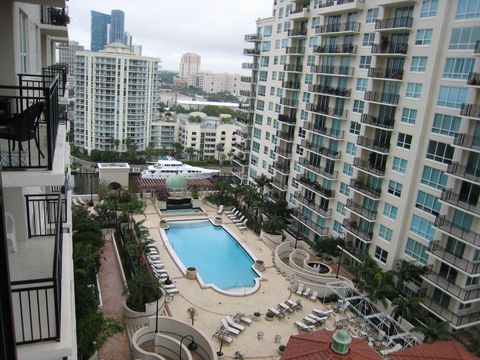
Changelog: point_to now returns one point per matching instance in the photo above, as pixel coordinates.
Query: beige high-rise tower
(189, 64)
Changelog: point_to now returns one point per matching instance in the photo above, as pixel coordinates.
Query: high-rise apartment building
(99, 30)
(217, 82)
(365, 116)
(189, 64)
(37, 306)
(116, 98)
(117, 27)
(66, 54)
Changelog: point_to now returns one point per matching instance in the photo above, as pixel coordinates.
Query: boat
(162, 169)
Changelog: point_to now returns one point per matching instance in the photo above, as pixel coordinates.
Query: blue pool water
(220, 260)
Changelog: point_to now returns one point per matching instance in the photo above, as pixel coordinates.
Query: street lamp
(192, 346)
(341, 240)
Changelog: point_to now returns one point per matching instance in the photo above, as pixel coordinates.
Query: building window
(428, 203)
(385, 233)
(344, 189)
(310, 60)
(439, 151)
(399, 165)
(422, 227)
(368, 39)
(341, 209)
(464, 38)
(404, 141)
(361, 84)
(259, 119)
(257, 133)
(260, 105)
(467, 9)
(416, 251)
(315, 22)
(23, 24)
(313, 41)
(355, 128)
(365, 62)
(395, 188)
(348, 169)
(308, 79)
(337, 227)
(414, 90)
(358, 106)
(458, 68)
(381, 254)
(263, 76)
(390, 211)
(446, 124)
(372, 16)
(267, 31)
(265, 45)
(424, 37)
(429, 8)
(434, 178)
(351, 149)
(409, 116)
(419, 64)
(452, 97)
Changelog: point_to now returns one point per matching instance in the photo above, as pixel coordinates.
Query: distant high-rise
(99, 30)
(189, 64)
(127, 39)
(66, 54)
(117, 26)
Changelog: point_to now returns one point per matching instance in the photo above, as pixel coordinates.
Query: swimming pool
(181, 211)
(221, 261)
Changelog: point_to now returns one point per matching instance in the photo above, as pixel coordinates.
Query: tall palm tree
(404, 307)
(378, 287)
(219, 147)
(433, 330)
(190, 152)
(261, 182)
(406, 271)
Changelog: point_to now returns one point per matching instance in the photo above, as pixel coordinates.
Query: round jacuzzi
(321, 268)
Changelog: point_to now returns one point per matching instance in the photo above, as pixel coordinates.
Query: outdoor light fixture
(192, 346)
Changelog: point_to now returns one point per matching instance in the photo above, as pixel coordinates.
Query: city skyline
(219, 40)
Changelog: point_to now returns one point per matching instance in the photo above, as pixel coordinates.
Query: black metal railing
(466, 172)
(334, 112)
(385, 48)
(253, 37)
(337, 2)
(329, 174)
(246, 93)
(365, 189)
(351, 26)
(457, 261)
(298, 50)
(247, 79)
(394, 23)
(286, 135)
(293, 67)
(30, 118)
(332, 70)
(368, 167)
(316, 187)
(336, 49)
(449, 286)
(297, 32)
(375, 145)
(433, 305)
(62, 71)
(295, 85)
(281, 167)
(470, 110)
(286, 153)
(360, 210)
(310, 203)
(279, 185)
(476, 50)
(321, 150)
(385, 73)
(324, 131)
(352, 227)
(451, 228)
(287, 118)
(387, 124)
(329, 90)
(42, 214)
(473, 79)
(322, 231)
(56, 16)
(461, 200)
(37, 302)
(251, 52)
(381, 97)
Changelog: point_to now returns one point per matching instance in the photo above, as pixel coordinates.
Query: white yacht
(162, 169)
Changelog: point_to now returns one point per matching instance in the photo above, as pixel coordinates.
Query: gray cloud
(212, 28)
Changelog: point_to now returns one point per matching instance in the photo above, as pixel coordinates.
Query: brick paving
(111, 285)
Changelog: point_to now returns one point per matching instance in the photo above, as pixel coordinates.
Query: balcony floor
(33, 260)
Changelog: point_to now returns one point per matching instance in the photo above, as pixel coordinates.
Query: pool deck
(212, 306)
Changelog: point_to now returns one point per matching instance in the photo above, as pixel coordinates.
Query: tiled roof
(439, 350)
(316, 346)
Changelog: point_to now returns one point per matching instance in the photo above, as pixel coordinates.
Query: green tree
(326, 246)
(223, 96)
(378, 287)
(151, 152)
(405, 307)
(364, 271)
(220, 147)
(406, 271)
(190, 152)
(274, 225)
(433, 330)
(262, 181)
(142, 289)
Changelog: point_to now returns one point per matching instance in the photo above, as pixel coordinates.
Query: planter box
(133, 317)
(191, 273)
(259, 265)
(217, 220)
(271, 238)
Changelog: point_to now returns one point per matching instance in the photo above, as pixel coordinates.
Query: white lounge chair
(302, 327)
(285, 307)
(233, 324)
(234, 215)
(276, 312)
(294, 304)
(172, 291)
(153, 257)
(243, 319)
(322, 313)
(320, 320)
(229, 328)
(300, 288)
(307, 291)
(222, 336)
(239, 221)
(314, 295)
(242, 223)
(310, 320)
(229, 212)
(220, 210)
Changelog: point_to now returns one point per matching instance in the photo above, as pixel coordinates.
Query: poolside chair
(239, 221)
(241, 224)
(300, 288)
(307, 291)
(153, 257)
(234, 215)
(314, 295)
(319, 320)
(229, 212)
(308, 320)
(302, 327)
(222, 336)
(242, 318)
(276, 313)
(285, 307)
(172, 291)
(322, 312)
(294, 304)
(233, 324)
(81, 202)
(229, 328)
(220, 210)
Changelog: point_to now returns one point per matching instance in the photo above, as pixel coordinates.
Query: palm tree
(220, 147)
(261, 182)
(405, 307)
(433, 330)
(406, 271)
(378, 287)
(190, 152)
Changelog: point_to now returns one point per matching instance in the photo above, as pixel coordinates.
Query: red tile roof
(316, 346)
(439, 350)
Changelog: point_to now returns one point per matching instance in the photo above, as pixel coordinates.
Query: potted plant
(281, 349)
(163, 224)
(272, 229)
(269, 316)
(218, 220)
(260, 265)
(256, 316)
(191, 273)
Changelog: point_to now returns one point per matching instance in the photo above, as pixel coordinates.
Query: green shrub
(142, 289)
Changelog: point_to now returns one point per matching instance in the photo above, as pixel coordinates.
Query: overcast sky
(214, 29)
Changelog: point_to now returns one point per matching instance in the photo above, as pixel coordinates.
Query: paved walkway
(111, 285)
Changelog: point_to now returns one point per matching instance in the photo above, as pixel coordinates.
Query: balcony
(358, 209)
(297, 33)
(457, 321)
(461, 201)
(352, 228)
(298, 51)
(316, 187)
(241, 147)
(468, 142)
(389, 49)
(247, 79)
(374, 145)
(289, 102)
(242, 175)
(343, 49)
(339, 28)
(372, 121)
(324, 131)
(365, 189)
(279, 185)
(240, 161)
(473, 79)
(396, 24)
(463, 172)
(382, 98)
(36, 282)
(321, 231)
(471, 268)
(332, 112)
(253, 37)
(289, 119)
(54, 21)
(451, 288)
(300, 13)
(366, 166)
(328, 90)
(251, 52)
(385, 74)
(470, 110)
(247, 65)
(286, 135)
(285, 153)
(319, 170)
(310, 203)
(331, 7)
(293, 68)
(282, 168)
(462, 234)
(292, 85)
(476, 51)
(332, 70)
(321, 150)
(246, 93)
